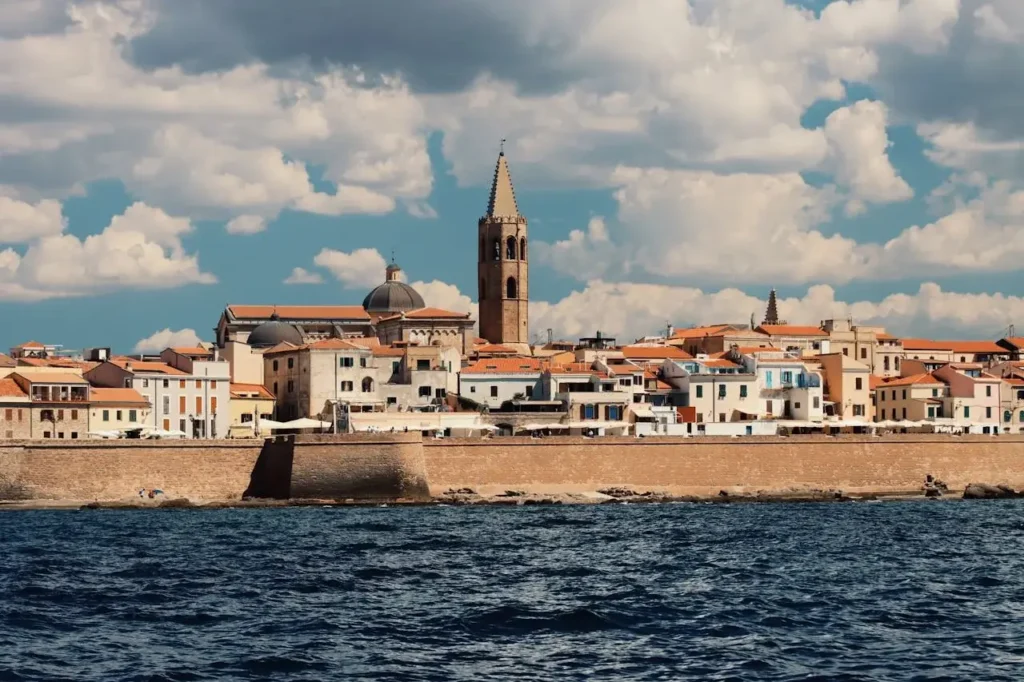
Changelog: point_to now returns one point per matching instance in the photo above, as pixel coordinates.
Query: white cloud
(584, 255)
(438, 294)
(303, 276)
(858, 144)
(360, 268)
(140, 248)
(246, 224)
(22, 222)
(167, 339)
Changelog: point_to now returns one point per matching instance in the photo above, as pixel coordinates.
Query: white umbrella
(305, 423)
(270, 424)
(104, 434)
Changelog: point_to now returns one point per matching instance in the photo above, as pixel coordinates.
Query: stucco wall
(705, 466)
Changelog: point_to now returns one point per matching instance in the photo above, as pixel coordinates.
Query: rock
(618, 492)
(91, 505)
(983, 491)
(181, 503)
(512, 493)
(932, 492)
(723, 493)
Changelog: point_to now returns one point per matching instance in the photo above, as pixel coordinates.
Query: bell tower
(502, 266)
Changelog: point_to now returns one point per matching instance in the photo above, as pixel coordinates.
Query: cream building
(493, 381)
(250, 404)
(796, 339)
(847, 387)
(717, 389)
(918, 397)
(57, 407)
(117, 409)
(974, 396)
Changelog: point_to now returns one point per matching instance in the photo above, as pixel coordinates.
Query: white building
(193, 397)
(493, 381)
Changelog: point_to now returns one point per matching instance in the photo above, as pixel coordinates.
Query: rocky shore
(931, 489)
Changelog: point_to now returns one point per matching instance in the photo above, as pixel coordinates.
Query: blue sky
(159, 160)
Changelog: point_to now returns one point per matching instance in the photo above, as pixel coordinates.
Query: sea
(828, 591)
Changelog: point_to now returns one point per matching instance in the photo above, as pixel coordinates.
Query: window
(638, 380)
(106, 415)
(796, 406)
(1020, 417)
(863, 353)
(182, 408)
(422, 364)
(483, 285)
(931, 412)
(494, 391)
(988, 413)
(9, 435)
(246, 418)
(181, 425)
(881, 396)
(496, 249)
(275, 388)
(46, 434)
(367, 385)
(529, 391)
(213, 404)
(721, 390)
(589, 412)
(424, 391)
(483, 248)
(347, 387)
(935, 393)
(787, 377)
(700, 391)
(362, 362)
(904, 413)
(74, 435)
(392, 400)
(885, 363)
(846, 351)
(199, 384)
(291, 386)
(510, 248)
(74, 414)
(472, 389)
(344, 361)
(625, 381)
(119, 416)
(721, 416)
(199, 404)
(522, 248)
(883, 414)
(274, 366)
(213, 383)
(511, 290)
(896, 364)
(817, 402)
(967, 412)
(963, 358)
(614, 413)
(988, 391)
(145, 383)
(1007, 416)
(858, 383)
(181, 382)
(904, 394)
(60, 415)
(395, 365)
(9, 415)
(167, 383)
(19, 414)
(133, 416)
(60, 434)
(291, 363)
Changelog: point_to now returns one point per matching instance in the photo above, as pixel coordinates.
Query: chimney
(669, 330)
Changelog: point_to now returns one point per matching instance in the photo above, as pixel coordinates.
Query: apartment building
(847, 387)
(117, 409)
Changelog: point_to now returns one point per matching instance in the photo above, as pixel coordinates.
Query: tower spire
(771, 315)
(503, 197)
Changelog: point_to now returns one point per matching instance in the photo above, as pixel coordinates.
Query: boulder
(984, 491)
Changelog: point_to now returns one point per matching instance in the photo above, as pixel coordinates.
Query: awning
(598, 425)
(643, 411)
(304, 423)
(540, 427)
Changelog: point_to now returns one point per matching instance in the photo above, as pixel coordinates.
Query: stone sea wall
(392, 466)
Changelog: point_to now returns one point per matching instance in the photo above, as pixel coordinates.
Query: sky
(160, 159)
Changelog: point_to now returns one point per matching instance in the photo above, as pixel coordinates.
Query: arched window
(497, 249)
(885, 363)
(483, 248)
(510, 248)
(510, 288)
(367, 385)
(1007, 416)
(483, 288)
(896, 364)
(522, 248)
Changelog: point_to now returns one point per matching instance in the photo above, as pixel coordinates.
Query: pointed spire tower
(502, 265)
(771, 315)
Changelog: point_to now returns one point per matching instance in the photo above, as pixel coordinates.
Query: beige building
(847, 387)
(974, 396)
(15, 411)
(868, 345)
(717, 339)
(58, 404)
(1011, 404)
(250, 403)
(919, 397)
(796, 339)
(117, 409)
(428, 327)
(502, 264)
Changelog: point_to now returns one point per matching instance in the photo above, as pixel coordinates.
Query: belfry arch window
(510, 248)
(483, 248)
(367, 385)
(511, 290)
(497, 249)
(522, 248)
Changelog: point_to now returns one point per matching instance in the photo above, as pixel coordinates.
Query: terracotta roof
(882, 336)
(283, 347)
(9, 388)
(126, 396)
(663, 386)
(423, 313)
(1015, 341)
(574, 368)
(1014, 381)
(718, 362)
(750, 350)
(192, 350)
(976, 347)
(697, 332)
(388, 352)
(364, 341)
(791, 330)
(237, 391)
(479, 340)
(505, 366)
(874, 381)
(299, 312)
(31, 345)
(147, 367)
(911, 380)
(51, 377)
(494, 348)
(332, 344)
(6, 361)
(647, 352)
(926, 344)
(66, 363)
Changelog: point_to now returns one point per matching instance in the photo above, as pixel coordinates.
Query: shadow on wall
(271, 477)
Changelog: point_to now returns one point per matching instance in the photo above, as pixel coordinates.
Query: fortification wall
(222, 470)
(704, 466)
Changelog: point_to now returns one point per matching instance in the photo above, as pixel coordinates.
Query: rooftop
(146, 366)
(925, 378)
(9, 388)
(792, 330)
(121, 396)
(505, 366)
(658, 352)
(298, 312)
(250, 391)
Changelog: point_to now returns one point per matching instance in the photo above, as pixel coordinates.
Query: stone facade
(503, 265)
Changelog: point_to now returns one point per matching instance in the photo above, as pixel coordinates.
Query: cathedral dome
(275, 331)
(393, 296)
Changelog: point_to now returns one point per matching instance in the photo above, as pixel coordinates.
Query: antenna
(503, 146)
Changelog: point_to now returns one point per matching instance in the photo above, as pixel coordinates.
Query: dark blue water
(891, 591)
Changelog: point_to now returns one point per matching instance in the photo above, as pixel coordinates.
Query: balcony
(60, 394)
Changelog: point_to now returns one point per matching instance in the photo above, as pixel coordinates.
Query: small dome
(274, 332)
(393, 296)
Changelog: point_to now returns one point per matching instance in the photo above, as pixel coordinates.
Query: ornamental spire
(503, 198)
(771, 315)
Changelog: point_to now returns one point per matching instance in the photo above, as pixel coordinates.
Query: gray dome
(393, 296)
(274, 332)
